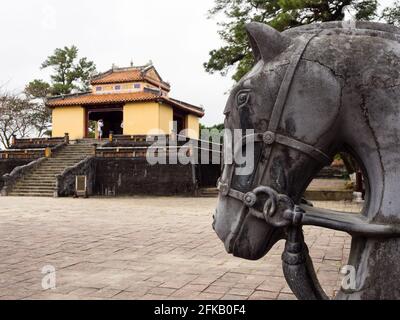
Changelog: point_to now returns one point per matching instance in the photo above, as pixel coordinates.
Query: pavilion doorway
(112, 119)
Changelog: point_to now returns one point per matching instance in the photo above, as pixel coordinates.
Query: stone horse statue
(315, 91)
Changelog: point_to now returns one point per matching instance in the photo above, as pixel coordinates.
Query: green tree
(37, 89)
(392, 15)
(213, 132)
(36, 93)
(282, 15)
(69, 73)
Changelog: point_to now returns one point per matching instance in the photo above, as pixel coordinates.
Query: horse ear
(265, 41)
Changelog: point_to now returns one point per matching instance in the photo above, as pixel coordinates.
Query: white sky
(175, 34)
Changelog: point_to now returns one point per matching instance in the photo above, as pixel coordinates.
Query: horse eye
(242, 98)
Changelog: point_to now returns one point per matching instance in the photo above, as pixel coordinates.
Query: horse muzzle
(244, 235)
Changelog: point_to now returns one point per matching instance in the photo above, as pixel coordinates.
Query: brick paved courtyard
(142, 248)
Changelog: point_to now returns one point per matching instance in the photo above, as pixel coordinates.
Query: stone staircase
(41, 181)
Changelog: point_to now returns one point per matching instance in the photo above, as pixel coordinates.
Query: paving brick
(161, 291)
(286, 296)
(143, 248)
(263, 295)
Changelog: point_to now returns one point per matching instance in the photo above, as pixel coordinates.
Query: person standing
(100, 125)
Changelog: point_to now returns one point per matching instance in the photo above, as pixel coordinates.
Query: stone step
(75, 157)
(50, 170)
(62, 160)
(28, 190)
(58, 163)
(39, 184)
(30, 194)
(62, 164)
(208, 192)
(53, 168)
(43, 174)
(33, 185)
(34, 190)
(58, 167)
(41, 178)
(41, 181)
(42, 186)
(35, 182)
(36, 175)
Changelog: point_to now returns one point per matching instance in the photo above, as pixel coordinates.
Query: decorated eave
(93, 100)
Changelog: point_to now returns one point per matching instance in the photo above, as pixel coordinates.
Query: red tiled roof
(113, 98)
(119, 76)
(128, 75)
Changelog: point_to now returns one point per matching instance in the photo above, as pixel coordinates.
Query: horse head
(315, 91)
(300, 107)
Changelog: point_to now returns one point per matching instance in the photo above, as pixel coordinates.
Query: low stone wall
(65, 185)
(138, 177)
(35, 143)
(8, 165)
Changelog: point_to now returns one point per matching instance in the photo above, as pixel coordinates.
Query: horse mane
(372, 29)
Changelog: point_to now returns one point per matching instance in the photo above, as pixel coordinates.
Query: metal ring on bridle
(270, 206)
(269, 137)
(250, 199)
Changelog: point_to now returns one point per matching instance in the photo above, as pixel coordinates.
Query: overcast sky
(176, 35)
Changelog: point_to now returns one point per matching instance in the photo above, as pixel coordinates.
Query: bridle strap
(313, 152)
(270, 138)
(286, 84)
(280, 103)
